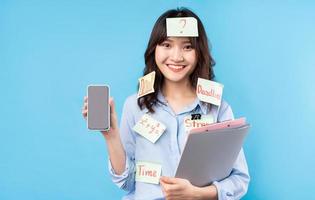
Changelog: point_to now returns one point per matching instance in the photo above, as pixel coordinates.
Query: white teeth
(176, 66)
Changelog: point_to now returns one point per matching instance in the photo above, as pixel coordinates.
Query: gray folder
(209, 156)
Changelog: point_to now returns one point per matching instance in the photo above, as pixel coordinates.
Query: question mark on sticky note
(182, 22)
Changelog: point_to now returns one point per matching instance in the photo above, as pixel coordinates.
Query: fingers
(163, 185)
(112, 105)
(84, 113)
(170, 190)
(168, 180)
(84, 108)
(113, 115)
(169, 183)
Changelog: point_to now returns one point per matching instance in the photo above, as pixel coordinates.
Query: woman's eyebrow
(183, 42)
(187, 41)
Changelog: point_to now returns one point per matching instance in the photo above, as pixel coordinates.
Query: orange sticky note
(146, 84)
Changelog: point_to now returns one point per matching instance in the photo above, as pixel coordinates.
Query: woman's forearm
(116, 153)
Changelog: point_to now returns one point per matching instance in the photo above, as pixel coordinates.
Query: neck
(178, 90)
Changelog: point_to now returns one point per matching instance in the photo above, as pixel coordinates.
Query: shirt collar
(197, 103)
(161, 98)
(203, 106)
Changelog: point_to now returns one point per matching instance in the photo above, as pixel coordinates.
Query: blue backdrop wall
(51, 50)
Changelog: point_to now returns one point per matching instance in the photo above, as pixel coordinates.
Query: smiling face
(176, 59)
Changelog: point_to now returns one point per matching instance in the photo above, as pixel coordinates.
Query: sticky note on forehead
(181, 27)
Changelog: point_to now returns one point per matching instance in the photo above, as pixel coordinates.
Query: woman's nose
(177, 55)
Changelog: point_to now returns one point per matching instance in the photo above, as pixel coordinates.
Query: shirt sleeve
(126, 180)
(236, 184)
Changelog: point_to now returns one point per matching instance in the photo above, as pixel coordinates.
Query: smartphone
(98, 108)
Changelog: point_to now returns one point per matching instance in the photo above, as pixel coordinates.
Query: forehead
(178, 39)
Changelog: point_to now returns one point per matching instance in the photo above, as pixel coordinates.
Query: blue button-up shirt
(168, 148)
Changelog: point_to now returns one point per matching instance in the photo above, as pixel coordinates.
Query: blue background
(51, 50)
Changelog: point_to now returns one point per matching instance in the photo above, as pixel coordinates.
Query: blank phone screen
(98, 107)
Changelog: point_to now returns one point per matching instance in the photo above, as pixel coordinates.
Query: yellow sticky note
(196, 123)
(146, 84)
(148, 172)
(149, 128)
(209, 91)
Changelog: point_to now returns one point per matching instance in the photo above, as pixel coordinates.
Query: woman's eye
(165, 44)
(188, 47)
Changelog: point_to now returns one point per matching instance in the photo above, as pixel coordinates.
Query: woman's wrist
(111, 135)
(208, 192)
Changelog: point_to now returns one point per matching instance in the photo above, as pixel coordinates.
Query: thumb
(113, 115)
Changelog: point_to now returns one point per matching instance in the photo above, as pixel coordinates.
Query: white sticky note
(204, 121)
(149, 128)
(146, 84)
(181, 27)
(209, 91)
(148, 172)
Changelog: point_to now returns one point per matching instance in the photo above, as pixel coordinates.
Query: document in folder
(211, 151)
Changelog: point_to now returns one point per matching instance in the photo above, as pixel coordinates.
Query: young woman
(178, 62)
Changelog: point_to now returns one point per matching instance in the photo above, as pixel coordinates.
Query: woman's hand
(177, 188)
(115, 148)
(113, 131)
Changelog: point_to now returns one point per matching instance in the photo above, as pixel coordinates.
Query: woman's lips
(175, 68)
